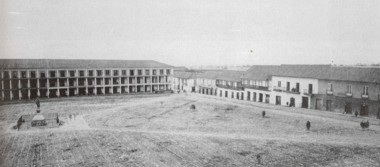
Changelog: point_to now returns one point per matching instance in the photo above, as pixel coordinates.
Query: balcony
(279, 89)
(292, 91)
(230, 87)
(365, 96)
(255, 87)
(307, 92)
(348, 94)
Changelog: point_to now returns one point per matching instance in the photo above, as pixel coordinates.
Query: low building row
(321, 87)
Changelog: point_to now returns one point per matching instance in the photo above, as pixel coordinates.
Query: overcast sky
(199, 32)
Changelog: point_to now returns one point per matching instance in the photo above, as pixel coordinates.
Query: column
(58, 93)
(86, 83)
(47, 87)
(103, 82)
(38, 84)
(28, 86)
(10, 85)
(19, 89)
(77, 83)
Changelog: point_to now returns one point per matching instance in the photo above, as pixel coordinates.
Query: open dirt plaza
(162, 130)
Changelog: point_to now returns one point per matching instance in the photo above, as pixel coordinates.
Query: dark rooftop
(77, 64)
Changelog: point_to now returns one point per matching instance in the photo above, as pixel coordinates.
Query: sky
(197, 32)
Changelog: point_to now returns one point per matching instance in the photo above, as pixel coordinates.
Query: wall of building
(340, 88)
(17, 84)
(304, 83)
(231, 94)
(339, 100)
(281, 96)
(254, 94)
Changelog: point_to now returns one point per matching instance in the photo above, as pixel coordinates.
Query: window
(90, 73)
(279, 84)
(154, 72)
(81, 73)
(147, 72)
(108, 73)
(349, 88)
(23, 74)
(139, 72)
(42, 75)
(287, 86)
(124, 72)
(131, 72)
(115, 72)
(297, 87)
(365, 90)
(72, 73)
(99, 72)
(32, 74)
(52, 73)
(168, 72)
(62, 73)
(14, 74)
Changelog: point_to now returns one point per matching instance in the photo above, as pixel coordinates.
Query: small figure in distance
(308, 125)
(38, 102)
(263, 113)
(356, 113)
(258, 157)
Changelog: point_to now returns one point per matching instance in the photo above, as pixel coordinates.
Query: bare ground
(164, 131)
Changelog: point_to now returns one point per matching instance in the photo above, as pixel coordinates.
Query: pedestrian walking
(263, 113)
(308, 125)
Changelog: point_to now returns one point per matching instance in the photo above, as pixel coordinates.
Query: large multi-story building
(184, 81)
(46, 78)
(229, 84)
(206, 82)
(256, 82)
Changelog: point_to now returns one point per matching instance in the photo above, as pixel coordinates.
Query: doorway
(292, 102)
(305, 102)
(260, 97)
(348, 108)
(318, 104)
(278, 100)
(329, 105)
(364, 110)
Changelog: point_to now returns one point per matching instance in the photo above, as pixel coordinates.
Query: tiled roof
(185, 74)
(323, 72)
(261, 72)
(229, 75)
(209, 74)
(77, 64)
(304, 71)
(328, 72)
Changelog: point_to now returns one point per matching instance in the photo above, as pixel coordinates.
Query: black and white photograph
(189, 83)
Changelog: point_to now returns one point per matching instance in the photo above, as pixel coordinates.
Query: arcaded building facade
(47, 78)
